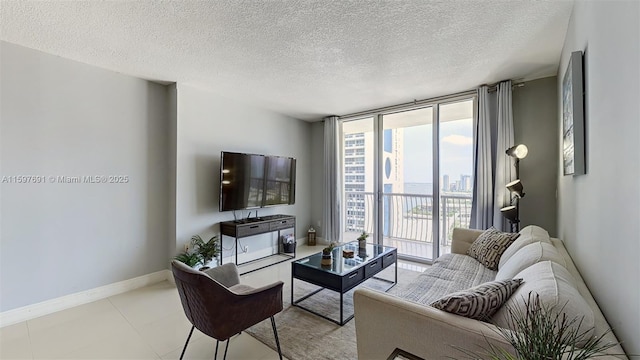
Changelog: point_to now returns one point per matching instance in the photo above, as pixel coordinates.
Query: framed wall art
(573, 135)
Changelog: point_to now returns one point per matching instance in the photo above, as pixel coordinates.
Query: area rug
(305, 336)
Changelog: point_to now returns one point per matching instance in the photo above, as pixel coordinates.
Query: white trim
(29, 312)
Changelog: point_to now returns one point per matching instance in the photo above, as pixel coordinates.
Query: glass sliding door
(456, 168)
(359, 179)
(407, 176)
(407, 182)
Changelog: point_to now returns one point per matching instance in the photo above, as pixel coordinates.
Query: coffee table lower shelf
(342, 320)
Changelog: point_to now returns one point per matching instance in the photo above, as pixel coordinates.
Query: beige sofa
(405, 321)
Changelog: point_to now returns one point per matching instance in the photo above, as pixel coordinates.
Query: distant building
(358, 176)
(445, 183)
(465, 182)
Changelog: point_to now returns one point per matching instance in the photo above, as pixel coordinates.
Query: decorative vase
(362, 243)
(326, 260)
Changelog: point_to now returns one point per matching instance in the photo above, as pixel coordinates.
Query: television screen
(280, 184)
(251, 181)
(241, 181)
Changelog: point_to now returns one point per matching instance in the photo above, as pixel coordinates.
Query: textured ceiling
(305, 59)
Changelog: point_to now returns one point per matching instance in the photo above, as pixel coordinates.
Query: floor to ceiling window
(407, 176)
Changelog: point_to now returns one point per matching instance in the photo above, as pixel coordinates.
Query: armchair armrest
(251, 306)
(461, 239)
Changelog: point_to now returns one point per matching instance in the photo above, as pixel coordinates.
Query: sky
(456, 151)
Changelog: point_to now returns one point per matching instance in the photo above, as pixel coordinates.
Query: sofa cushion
(527, 256)
(479, 302)
(490, 245)
(555, 286)
(528, 235)
(449, 273)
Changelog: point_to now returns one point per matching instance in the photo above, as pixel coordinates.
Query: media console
(256, 226)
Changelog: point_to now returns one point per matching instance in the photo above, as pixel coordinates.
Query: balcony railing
(407, 216)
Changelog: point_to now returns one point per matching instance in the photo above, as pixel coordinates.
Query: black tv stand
(238, 229)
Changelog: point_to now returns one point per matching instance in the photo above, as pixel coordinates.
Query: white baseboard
(33, 311)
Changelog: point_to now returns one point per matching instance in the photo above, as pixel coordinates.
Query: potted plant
(188, 258)
(206, 250)
(362, 239)
(326, 255)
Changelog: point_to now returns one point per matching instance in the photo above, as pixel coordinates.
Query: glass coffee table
(344, 273)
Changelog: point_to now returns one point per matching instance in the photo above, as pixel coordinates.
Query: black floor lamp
(516, 190)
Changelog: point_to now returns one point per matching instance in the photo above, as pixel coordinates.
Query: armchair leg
(225, 349)
(275, 333)
(187, 343)
(215, 357)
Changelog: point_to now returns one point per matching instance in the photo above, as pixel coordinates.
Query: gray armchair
(219, 306)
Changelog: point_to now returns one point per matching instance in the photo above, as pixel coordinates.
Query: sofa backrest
(547, 268)
(527, 256)
(556, 289)
(528, 235)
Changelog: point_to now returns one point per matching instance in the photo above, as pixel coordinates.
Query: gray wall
(599, 213)
(209, 124)
(63, 118)
(535, 111)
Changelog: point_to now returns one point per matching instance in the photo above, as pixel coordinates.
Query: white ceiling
(305, 59)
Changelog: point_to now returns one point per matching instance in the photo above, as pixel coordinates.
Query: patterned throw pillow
(480, 302)
(490, 245)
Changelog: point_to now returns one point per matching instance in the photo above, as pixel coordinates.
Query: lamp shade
(516, 188)
(518, 151)
(510, 213)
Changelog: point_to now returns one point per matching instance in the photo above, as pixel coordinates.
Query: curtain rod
(492, 88)
(409, 104)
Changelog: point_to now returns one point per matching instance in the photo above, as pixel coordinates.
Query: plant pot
(362, 244)
(326, 260)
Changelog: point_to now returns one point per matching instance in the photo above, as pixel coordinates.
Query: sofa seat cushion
(528, 235)
(490, 245)
(480, 302)
(449, 273)
(556, 288)
(527, 256)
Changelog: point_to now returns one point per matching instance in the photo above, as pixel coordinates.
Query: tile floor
(146, 323)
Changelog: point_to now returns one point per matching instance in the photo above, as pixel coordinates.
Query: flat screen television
(249, 181)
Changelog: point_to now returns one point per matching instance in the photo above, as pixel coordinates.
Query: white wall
(209, 124)
(63, 118)
(599, 213)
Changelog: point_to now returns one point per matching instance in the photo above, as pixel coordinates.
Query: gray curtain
(482, 202)
(331, 185)
(504, 166)
(493, 135)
